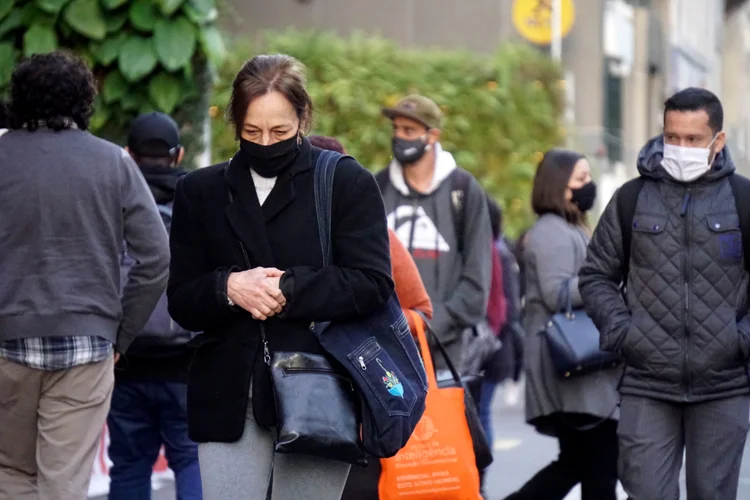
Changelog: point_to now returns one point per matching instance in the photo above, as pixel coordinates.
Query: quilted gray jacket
(683, 331)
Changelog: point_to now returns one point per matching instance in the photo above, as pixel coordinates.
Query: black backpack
(160, 329)
(460, 180)
(627, 198)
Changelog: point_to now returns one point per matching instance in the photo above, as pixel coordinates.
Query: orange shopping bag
(437, 462)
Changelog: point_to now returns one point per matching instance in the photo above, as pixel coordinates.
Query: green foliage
(146, 54)
(501, 111)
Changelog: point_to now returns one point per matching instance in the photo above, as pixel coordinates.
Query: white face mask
(687, 164)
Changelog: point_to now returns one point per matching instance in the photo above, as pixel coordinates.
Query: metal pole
(556, 46)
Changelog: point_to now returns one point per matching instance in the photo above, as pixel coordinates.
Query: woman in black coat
(246, 251)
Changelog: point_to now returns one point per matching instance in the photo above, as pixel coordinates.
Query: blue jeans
(143, 416)
(485, 409)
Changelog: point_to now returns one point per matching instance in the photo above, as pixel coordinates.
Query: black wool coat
(207, 227)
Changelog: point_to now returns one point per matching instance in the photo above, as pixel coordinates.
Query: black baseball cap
(154, 135)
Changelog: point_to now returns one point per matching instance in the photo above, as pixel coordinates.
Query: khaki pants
(50, 423)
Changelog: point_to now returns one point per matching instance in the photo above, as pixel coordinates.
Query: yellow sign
(533, 19)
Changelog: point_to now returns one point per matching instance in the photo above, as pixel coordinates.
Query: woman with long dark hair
(580, 412)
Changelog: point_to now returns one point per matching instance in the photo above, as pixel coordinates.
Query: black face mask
(584, 196)
(270, 161)
(407, 151)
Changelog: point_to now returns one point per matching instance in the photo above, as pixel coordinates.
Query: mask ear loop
(427, 145)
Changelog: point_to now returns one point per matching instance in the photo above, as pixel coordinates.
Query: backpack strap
(382, 178)
(460, 180)
(325, 169)
(627, 198)
(741, 191)
(165, 209)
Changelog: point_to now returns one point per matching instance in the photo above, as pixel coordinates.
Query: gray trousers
(654, 434)
(242, 470)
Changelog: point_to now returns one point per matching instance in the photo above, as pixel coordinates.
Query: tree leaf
(164, 91)
(146, 107)
(87, 56)
(115, 21)
(132, 101)
(6, 6)
(7, 62)
(213, 45)
(12, 21)
(143, 15)
(39, 39)
(169, 7)
(113, 4)
(201, 11)
(188, 89)
(137, 58)
(107, 51)
(51, 6)
(101, 115)
(174, 41)
(85, 17)
(114, 87)
(31, 14)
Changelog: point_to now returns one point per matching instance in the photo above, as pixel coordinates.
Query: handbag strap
(325, 168)
(429, 367)
(564, 301)
(425, 347)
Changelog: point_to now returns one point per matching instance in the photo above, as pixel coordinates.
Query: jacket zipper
(687, 219)
(266, 351)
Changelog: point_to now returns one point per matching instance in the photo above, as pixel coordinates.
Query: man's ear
(180, 156)
(720, 142)
(434, 135)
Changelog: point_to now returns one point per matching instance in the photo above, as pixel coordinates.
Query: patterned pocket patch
(730, 247)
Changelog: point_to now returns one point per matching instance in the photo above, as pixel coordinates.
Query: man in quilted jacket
(683, 328)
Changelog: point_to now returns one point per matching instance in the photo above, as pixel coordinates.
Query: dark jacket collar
(247, 217)
(162, 180)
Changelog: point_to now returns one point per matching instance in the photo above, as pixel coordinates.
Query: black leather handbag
(316, 408)
(573, 340)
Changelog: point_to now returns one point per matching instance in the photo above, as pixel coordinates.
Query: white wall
(695, 34)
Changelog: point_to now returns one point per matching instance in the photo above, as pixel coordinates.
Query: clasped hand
(257, 291)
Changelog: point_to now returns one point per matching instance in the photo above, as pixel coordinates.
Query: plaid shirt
(56, 353)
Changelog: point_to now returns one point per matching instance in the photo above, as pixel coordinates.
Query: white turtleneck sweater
(263, 186)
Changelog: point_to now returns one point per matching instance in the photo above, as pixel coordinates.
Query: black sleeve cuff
(286, 284)
(221, 287)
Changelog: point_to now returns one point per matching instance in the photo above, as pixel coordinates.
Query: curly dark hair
(54, 90)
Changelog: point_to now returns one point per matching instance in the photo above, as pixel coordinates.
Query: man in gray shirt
(439, 212)
(68, 200)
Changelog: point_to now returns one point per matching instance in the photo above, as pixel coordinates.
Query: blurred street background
(510, 83)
